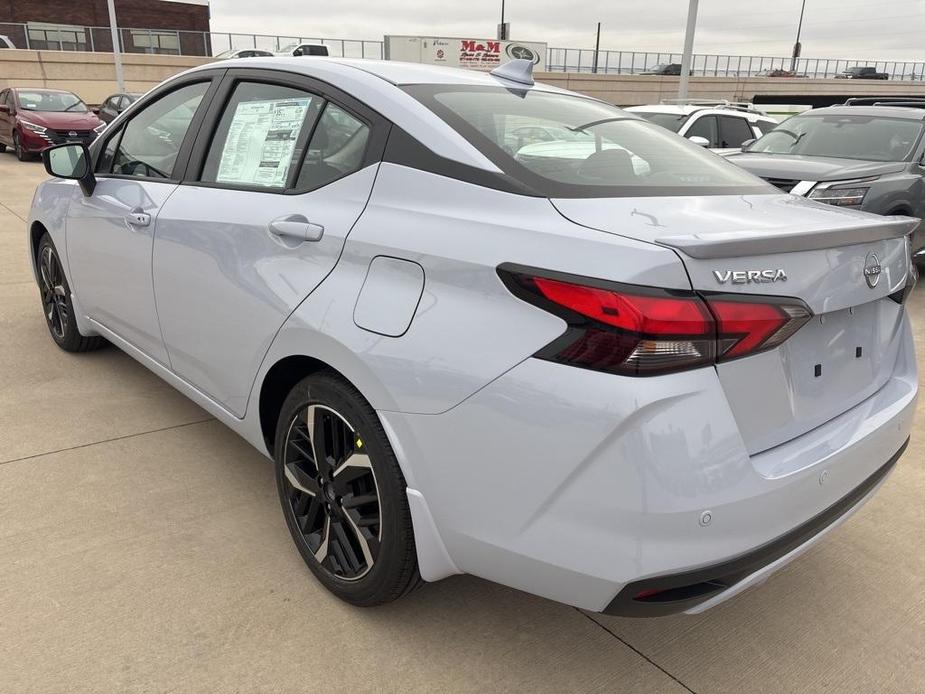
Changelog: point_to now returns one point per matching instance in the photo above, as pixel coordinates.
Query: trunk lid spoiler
(731, 244)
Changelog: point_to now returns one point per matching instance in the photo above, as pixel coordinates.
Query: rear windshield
(568, 146)
(672, 121)
(39, 100)
(870, 138)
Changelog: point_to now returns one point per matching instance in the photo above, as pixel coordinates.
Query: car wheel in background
(17, 148)
(2, 148)
(343, 493)
(56, 302)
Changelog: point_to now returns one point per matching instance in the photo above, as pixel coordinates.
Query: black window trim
(378, 125)
(117, 127)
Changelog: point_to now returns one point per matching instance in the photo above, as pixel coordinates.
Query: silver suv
(867, 154)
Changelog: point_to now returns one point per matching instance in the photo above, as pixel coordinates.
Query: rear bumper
(578, 486)
(683, 592)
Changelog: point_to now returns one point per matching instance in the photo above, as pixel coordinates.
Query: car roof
(393, 71)
(376, 82)
(688, 109)
(41, 90)
(907, 112)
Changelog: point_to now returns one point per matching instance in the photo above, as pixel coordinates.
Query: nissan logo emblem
(872, 269)
(72, 133)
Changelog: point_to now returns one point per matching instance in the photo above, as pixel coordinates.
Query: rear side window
(276, 137)
(149, 143)
(261, 136)
(337, 148)
(733, 131)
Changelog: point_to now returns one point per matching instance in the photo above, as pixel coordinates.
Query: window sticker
(261, 141)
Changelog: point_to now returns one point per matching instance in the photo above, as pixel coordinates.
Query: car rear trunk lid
(780, 246)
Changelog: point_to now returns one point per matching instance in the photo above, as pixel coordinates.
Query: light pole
(687, 57)
(797, 48)
(116, 52)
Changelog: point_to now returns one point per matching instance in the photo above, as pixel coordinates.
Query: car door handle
(296, 226)
(137, 218)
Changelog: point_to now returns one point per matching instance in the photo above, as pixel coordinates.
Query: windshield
(672, 121)
(561, 145)
(39, 100)
(870, 138)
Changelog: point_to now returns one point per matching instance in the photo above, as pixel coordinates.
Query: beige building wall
(92, 77)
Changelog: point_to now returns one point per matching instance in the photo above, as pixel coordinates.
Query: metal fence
(708, 65)
(197, 43)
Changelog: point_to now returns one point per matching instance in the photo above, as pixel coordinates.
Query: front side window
(150, 142)
(705, 127)
(869, 138)
(606, 153)
(44, 100)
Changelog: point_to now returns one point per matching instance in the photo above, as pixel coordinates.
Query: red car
(33, 119)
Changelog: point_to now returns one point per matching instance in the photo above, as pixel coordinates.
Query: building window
(156, 41)
(58, 37)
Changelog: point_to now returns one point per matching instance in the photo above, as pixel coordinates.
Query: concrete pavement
(142, 549)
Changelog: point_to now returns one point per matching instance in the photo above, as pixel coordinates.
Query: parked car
(5, 42)
(778, 72)
(243, 53)
(304, 49)
(664, 69)
(633, 390)
(719, 125)
(862, 73)
(865, 155)
(32, 119)
(113, 105)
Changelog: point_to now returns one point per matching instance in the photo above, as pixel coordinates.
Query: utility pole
(503, 29)
(116, 47)
(687, 58)
(797, 47)
(597, 47)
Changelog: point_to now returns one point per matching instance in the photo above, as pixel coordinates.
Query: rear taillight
(642, 331)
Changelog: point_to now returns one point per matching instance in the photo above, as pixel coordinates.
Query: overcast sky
(893, 29)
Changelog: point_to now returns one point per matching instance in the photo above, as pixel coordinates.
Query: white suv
(722, 126)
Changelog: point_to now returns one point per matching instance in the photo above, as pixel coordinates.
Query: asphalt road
(142, 549)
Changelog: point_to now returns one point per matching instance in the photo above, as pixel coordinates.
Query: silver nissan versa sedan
(618, 372)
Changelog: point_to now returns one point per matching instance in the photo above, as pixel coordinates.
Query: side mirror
(747, 144)
(95, 110)
(697, 140)
(4, 108)
(71, 161)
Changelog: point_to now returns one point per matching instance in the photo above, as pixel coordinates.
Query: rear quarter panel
(468, 329)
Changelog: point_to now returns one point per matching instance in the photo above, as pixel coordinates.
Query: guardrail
(711, 65)
(199, 43)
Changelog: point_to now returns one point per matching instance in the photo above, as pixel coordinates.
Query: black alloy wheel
(56, 301)
(332, 492)
(343, 493)
(54, 293)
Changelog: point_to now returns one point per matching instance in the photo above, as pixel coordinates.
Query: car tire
(2, 148)
(356, 497)
(21, 154)
(56, 302)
